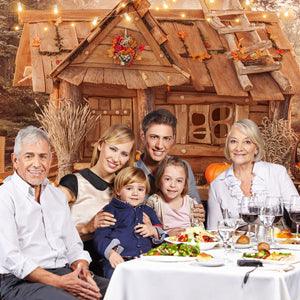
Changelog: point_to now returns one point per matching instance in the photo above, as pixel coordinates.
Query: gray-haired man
(40, 250)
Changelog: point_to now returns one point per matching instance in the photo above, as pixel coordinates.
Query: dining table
(149, 278)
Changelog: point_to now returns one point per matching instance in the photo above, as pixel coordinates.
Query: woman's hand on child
(115, 258)
(198, 212)
(104, 219)
(146, 230)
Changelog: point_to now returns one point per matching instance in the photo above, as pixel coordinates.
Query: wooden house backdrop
(185, 67)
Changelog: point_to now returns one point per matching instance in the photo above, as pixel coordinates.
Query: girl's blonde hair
(251, 130)
(116, 134)
(172, 161)
(130, 175)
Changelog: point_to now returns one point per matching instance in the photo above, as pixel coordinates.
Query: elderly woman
(248, 174)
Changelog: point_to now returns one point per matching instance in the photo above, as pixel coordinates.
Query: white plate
(162, 258)
(202, 245)
(289, 260)
(243, 246)
(288, 246)
(214, 262)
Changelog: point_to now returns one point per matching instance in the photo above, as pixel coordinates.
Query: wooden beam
(197, 98)
(197, 150)
(106, 90)
(87, 15)
(245, 70)
(234, 29)
(164, 69)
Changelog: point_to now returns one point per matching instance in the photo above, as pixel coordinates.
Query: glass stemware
(268, 212)
(249, 210)
(226, 230)
(294, 212)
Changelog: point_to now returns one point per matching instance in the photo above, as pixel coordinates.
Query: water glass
(226, 230)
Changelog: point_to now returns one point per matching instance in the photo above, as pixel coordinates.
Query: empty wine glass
(226, 230)
(268, 211)
(294, 212)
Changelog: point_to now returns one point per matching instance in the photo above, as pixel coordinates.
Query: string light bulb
(237, 20)
(183, 15)
(264, 16)
(20, 7)
(17, 28)
(165, 5)
(286, 13)
(55, 9)
(247, 2)
(95, 21)
(73, 24)
(127, 17)
(45, 28)
(157, 8)
(211, 1)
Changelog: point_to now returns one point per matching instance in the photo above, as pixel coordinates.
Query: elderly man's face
(33, 161)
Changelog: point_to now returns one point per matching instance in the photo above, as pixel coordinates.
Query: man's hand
(85, 273)
(115, 258)
(198, 212)
(146, 219)
(146, 230)
(79, 288)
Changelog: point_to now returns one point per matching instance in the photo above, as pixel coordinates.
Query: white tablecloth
(146, 280)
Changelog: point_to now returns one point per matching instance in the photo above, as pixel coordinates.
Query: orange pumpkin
(214, 169)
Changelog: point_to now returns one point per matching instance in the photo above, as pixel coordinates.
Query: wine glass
(226, 230)
(249, 210)
(267, 215)
(294, 212)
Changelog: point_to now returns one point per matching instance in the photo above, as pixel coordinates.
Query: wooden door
(112, 111)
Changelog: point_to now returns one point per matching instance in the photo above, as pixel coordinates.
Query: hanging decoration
(278, 52)
(125, 50)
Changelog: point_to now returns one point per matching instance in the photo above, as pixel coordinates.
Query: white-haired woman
(247, 175)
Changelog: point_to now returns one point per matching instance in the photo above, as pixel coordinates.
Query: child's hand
(115, 258)
(146, 230)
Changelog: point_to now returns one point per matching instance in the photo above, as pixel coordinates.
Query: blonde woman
(89, 190)
(247, 175)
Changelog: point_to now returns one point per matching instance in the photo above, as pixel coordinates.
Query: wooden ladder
(234, 8)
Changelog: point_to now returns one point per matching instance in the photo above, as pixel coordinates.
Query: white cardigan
(270, 178)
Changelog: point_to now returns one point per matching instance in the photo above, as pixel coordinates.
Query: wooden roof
(167, 59)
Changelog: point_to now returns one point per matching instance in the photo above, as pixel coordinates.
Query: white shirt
(35, 234)
(269, 178)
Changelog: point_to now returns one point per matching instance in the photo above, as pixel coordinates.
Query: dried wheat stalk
(280, 141)
(66, 125)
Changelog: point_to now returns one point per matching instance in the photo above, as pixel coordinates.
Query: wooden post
(70, 91)
(142, 104)
(2, 154)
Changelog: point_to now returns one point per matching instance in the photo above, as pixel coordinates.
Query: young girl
(130, 236)
(172, 204)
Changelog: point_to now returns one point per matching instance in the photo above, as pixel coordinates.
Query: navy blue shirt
(123, 233)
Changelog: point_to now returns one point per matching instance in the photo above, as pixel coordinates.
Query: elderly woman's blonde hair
(251, 130)
(130, 175)
(116, 134)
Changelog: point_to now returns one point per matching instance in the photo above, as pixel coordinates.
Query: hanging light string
(165, 6)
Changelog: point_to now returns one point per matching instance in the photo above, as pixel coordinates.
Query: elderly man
(158, 136)
(40, 250)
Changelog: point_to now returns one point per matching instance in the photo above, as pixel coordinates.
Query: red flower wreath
(124, 50)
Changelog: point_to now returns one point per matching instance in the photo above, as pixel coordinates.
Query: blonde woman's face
(113, 157)
(241, 149)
